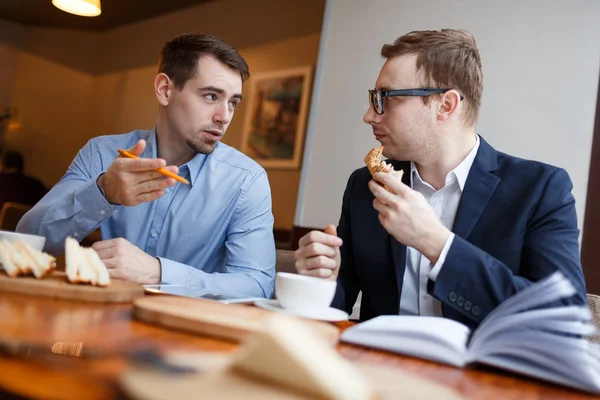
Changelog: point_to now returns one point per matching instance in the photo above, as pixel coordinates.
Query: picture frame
(275, 121)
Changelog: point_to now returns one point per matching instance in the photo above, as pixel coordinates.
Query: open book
(519, 336)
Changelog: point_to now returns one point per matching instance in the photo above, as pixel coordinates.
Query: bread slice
(6, 250)
(18, 258)
(41, 264)
(289, 354)
(83, 265)
(72, 259)
(101, 276)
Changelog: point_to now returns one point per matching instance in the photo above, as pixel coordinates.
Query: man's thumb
(331, 230)
(139, 147)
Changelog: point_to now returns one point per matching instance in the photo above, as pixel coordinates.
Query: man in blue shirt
(215, 233)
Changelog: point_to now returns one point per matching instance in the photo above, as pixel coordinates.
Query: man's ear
(163, 87)
(449, 105)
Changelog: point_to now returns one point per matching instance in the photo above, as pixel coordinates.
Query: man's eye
(210, 97)
(234, 103)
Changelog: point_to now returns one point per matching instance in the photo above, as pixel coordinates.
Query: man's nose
(222, 115)
(370, 116)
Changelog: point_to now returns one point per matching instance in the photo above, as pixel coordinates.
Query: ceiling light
(85, 8)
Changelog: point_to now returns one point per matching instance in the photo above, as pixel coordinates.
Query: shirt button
(154, 234)
(460, 301)
(75, 234)
(102, 212)
(452, 296)
(468, 305)
(167, 190)
(426, 297)
(475, 310)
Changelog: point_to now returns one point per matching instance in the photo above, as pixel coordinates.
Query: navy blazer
(515, 224)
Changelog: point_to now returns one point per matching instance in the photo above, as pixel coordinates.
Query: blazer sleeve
(550, 243)
(347, 282)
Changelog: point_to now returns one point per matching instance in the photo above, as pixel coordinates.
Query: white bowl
(304, 294)
(35, 241)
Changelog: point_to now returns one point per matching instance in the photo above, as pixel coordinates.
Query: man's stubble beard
(202, 146)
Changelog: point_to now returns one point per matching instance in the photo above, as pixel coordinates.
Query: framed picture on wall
(275, 122)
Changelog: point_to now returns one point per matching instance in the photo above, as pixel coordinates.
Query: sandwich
(83, 265)
(18, 259)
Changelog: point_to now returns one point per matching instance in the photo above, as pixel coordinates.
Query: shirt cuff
(173, 272)
(438, 265)
(94, 208)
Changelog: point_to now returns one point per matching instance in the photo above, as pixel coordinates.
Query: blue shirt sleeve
(73, 207)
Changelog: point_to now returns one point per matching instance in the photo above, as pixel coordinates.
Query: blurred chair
(594, 304)
(92, 238)
(11, 214)
(284, 261)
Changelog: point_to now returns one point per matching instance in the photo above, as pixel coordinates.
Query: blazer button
(475, 310)
(468, 305)
(460, 301)
(452, 296)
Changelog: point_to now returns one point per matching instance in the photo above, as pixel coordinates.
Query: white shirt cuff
(438, 265)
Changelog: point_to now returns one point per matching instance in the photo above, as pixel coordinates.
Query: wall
(53, 98)
(71, 86)
(55, 115)
(11, 40)
(540, 62)
(242, 23)
(275, 56)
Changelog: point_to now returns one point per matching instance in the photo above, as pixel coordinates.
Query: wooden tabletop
(92, 344)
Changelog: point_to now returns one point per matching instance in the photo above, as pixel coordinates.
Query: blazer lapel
(478, 190)
(398, 249)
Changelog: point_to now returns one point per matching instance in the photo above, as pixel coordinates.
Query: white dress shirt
(414, 299)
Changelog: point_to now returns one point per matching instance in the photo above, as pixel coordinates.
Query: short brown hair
(179, 57)
(449, 59)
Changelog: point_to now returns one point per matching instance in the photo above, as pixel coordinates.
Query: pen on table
(161, 170)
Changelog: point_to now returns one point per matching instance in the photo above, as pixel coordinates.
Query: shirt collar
(193, 166)
(462, 170)
(460, 173)
(150, 151)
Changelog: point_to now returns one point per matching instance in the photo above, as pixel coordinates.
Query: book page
(546, 343)
(433, 338)
(561, 320)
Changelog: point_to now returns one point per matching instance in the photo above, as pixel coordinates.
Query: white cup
(35, 241)
(304, 295)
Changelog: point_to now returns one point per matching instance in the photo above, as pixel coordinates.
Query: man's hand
(131, 182)
(406, 215)
(126, 261)
(319, 254)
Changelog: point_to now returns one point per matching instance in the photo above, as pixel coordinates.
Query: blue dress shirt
(215, 233)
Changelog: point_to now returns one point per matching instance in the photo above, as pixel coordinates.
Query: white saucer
(330, 315)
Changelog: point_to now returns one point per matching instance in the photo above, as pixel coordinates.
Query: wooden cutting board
(226, 321)
(216, 381)
(58, 287)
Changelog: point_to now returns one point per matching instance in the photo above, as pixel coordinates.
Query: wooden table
(109, 332)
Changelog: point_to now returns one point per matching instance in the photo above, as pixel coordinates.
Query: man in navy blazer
(465, 227)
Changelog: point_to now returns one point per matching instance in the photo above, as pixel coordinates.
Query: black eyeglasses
(376, 96)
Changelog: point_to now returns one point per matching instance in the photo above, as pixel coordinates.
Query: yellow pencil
(161, 170)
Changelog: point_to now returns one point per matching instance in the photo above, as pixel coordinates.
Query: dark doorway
(590, 247)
